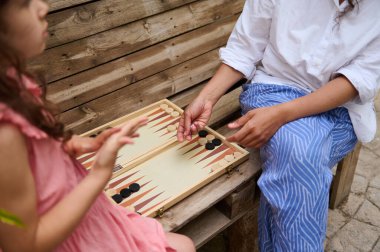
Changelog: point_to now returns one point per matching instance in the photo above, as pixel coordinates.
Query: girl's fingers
(107, 133)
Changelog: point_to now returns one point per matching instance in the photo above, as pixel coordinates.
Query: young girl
(314, 70)
(61, 204)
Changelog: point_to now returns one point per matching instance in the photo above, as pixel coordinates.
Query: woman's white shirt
(305, 44)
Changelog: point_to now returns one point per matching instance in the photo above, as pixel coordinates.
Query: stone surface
(352, 204)
(373, 195)
(336, 221)
(356, 236)
(369, 213)
(359, 185)
(367, 165)
(375, 182)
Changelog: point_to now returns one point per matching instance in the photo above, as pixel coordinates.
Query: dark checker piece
(93, 135)
(210, 146)
(217, 142)
(202, 133)
(134, 187)
(117, 198)
(125, 193)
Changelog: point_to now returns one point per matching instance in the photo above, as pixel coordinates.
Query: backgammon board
(157, 171)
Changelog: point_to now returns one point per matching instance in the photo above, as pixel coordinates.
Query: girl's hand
(195, 118)
(106, 156)
(78, 145)
(257, 126)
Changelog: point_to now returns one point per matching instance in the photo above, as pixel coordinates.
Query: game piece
(202, 141)
(222, 163)
(117, 198)
(134, 187)
(174, 114)
(229, 158)
(202, 133)
(217, 141)
(169, 110)
(171, 128)
(237, 154)
(210, 137)
(210, 146)
(164, 106)
(125, 193)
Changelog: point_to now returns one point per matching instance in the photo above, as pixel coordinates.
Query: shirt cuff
(231, 59)
(366, 92)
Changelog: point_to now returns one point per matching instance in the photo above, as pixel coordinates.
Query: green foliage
(10, 219)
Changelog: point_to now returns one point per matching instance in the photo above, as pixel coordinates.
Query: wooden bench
(105, 59)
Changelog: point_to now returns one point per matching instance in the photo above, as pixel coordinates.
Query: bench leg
(343, 178)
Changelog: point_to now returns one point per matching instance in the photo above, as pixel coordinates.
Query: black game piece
(202, 133)
(217, 141)
(134, 187)
(125, 193)
(93, 135)
(210, 146)
(117, 198)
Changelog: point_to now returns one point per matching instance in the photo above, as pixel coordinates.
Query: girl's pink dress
(106, 227)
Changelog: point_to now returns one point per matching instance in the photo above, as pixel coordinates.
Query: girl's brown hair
(13, 92)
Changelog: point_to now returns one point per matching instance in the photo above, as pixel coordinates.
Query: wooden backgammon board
(157, 171)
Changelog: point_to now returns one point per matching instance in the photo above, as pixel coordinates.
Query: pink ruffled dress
(105, 227)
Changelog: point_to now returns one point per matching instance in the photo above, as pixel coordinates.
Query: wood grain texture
(194, 205)
(85, 20)
(96, 82)
(101, 48)
(142, 93)
(341, 185)
(55, 5)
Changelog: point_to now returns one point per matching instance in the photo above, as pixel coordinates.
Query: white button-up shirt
(303, 44)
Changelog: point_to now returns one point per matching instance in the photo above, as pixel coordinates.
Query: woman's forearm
(334, 94)
(224, 78)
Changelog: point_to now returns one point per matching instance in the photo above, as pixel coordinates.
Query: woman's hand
(106, 156)
(195, 118)
(257, 126)
(78, 145)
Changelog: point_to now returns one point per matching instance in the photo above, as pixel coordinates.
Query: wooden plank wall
(107, 58)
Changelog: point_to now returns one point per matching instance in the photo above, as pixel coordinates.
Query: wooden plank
(241, 200)
(55, 5)
(100, 48)
(85, 20)
(194, 205)
(343, 178)
(243, 234)
(91, 84)
(207, 226)
(142, 93)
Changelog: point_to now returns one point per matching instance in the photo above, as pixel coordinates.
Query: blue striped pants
(296, 171)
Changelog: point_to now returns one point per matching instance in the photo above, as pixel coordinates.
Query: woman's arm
(334, 94)
(258, 125)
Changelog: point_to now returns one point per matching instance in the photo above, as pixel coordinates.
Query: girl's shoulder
(9, 116)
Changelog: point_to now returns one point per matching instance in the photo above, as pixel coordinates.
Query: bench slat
(85, 20)
(96, 82)
(101, 48)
